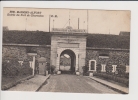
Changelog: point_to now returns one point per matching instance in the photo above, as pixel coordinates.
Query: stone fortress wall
(101, 56)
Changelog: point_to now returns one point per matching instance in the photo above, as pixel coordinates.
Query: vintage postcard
(66, 50)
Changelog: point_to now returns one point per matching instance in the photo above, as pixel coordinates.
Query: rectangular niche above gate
(68, 45)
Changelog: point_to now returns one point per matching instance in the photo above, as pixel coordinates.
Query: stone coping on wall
(118, 49)
(12, 44)
(88, 48)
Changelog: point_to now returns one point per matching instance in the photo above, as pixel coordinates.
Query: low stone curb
(42, 83)
(5, 87)
(118, 90)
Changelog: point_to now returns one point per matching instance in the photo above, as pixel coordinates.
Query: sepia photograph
(65, 50)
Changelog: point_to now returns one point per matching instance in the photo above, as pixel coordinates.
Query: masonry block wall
(42, 52)
(20, 53)
(14, 52)
(115, 57)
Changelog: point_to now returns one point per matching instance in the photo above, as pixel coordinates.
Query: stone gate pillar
(77, 62)
(33, 63)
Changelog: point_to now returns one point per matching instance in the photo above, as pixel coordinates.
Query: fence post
(127, 69)
(114, 68)
(103, 67)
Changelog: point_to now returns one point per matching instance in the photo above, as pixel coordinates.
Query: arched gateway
(69, 62)
(68, 41)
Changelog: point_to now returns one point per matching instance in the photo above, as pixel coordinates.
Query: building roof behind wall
(27, 37)
(44, 38)
(108, 41)
(124, 33)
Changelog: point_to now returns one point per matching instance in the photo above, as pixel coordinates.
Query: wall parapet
(33, 45)
(116, 49)
(87, 48)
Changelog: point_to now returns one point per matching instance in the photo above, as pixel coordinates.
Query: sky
(96, 21)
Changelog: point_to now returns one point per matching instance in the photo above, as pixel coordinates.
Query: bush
(48, 66)
(112, 77)
(85, 70)
(121, 70)
(126, 75)
(13, 68)
(109, 69)
(10, 67)
(26, 71)
(4, 67)
(98, 68)
(26, 64)
(52, 68)
(87, 74)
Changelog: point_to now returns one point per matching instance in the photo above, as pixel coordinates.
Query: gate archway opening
(67, 62)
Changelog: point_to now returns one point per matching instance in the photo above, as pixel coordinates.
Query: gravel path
(74, 84)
